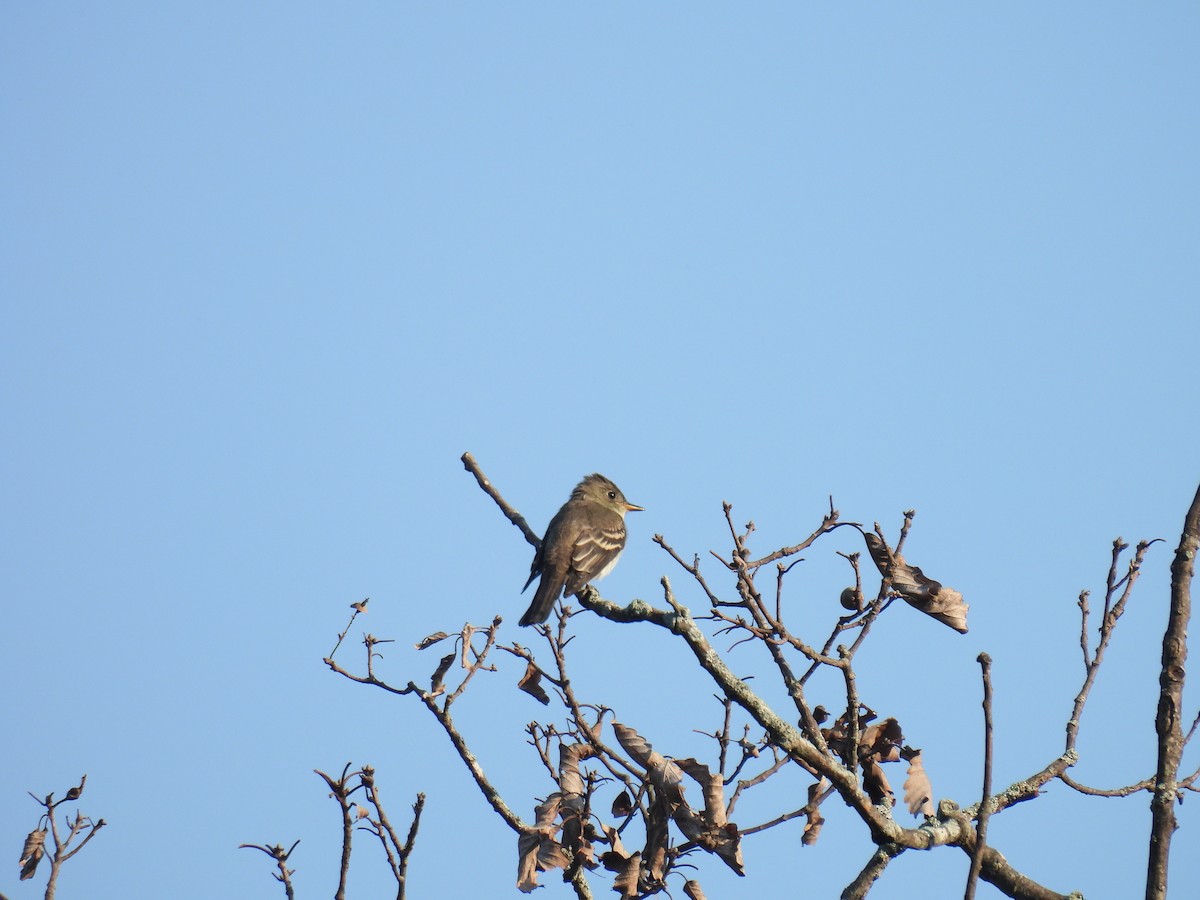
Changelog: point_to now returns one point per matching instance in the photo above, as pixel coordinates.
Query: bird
(582, 544)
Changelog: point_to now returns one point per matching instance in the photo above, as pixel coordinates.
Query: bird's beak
(631, 508)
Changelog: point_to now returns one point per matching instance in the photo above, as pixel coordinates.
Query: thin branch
(512, 515)
(858, 888)
(360, 606)
(693, 569)
(341, 792)
(1170, 703)
(1146, 784)
(396, 851)
(1114, 607)
(762, 776)
(985, 663)
(807, 747)
(418, 808)
(35, 843)
(277, 853)
(828, 523)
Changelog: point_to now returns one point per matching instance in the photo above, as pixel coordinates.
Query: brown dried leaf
(628, 871)
(76, 792)
(427, 642)
(536, 855)
(622, 806)
(714, 836)
(919, 591)
(812, 828)
(531, 683)
(918, 789)
(665, 775)
(628, 868)
(812, 811)
(576, 840)
(693, 890)
(876, 784)
(32, 853)
(838, 736)
(546, 812)
(614, 840)
(658, 839)
(570, 781)
(881, 741)
(537, 851)
(435, 683)
(713, 786)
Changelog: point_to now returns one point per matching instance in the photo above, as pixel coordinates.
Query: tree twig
(341, 791)
(277, 853)
(513, 516)
(985, 663)
(1167, 722)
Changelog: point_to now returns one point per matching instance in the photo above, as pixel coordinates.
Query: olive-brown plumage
(581, 545)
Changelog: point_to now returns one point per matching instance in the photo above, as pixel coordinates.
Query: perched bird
(581, 545)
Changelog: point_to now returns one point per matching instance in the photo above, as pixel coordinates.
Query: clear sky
(267, 270)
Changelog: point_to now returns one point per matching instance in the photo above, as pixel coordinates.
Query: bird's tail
(543, 601)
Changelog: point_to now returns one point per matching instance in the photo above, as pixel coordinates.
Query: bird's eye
(612, 495)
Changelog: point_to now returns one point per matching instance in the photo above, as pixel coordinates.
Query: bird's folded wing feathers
(594, 549)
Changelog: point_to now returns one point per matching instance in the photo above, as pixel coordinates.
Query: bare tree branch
(858, 888)
(34, 849)
(985, 663)
(950, 829)
(513, 516)
(1170, 702)
(277, 853)
(1114, 607)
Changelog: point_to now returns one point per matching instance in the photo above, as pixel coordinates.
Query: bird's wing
(535, 568)
(595, 549)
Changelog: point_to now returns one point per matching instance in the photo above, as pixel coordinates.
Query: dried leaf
(32, 852)
(918, 790)
(710, 831)
(360, 606)
(628, 873)
(614, 840)
(713, 786)
(881, 742)
(622, 806)
(435, 683)
(812, 828)
(812, 811)
(432, 639)
(876, 785)
(531, 683)
(546, 812)
(577, 840)
(76, 792)
(464, 646)
(693, 890)
(658, 839)
(664, 774)
(628, 868)
(362, 811)
(537, 851)
(929, 596)
(570, 781)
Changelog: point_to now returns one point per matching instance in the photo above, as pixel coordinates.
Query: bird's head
(598, 489)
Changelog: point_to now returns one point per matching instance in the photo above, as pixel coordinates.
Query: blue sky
(267, 272)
